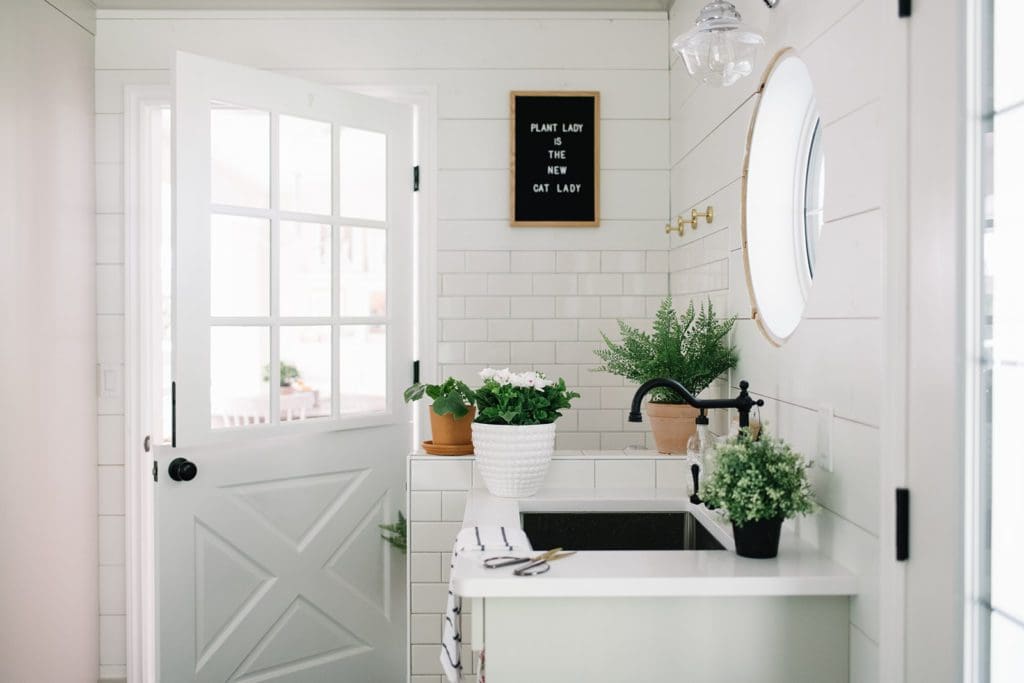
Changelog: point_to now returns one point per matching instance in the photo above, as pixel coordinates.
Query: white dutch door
(293, 341)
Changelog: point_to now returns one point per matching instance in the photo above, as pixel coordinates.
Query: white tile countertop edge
(799, 570)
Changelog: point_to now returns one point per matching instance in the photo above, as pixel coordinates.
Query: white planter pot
(513, 460)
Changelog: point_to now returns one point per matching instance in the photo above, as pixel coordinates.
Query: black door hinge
(415, 178)
(174, 414)
(903, 7)
(902, 525)
(156, 471)
(415, 372)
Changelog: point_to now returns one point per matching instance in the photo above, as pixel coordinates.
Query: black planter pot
(758, 539)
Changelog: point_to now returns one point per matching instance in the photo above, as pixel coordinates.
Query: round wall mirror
(783, 196)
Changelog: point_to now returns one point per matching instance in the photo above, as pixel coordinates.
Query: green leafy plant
(452, 396)
(527, 398)
(758, 479)
(692, 348)
(289, 373)
(396, 533)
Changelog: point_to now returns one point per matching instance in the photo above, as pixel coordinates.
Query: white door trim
(140, 605)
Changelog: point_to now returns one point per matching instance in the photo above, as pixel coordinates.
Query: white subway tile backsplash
(113, 589)
(578, 261)
(451, 307)
(461, 284)
(672, 474)
(624, 474)
(425, 506)
(645, 283)
(424, 628)
(487, 306)
(110, 440)
(484, 353)
(110, 480)
(533, 352)
(464, 330)
(510, 330)
(533, 261)
(487, 261)
(624, 307)
(451, 262)
(575, 352)
(555, 329)
(453, 505)
(657, 261)
(578, 307)
(623, 261)
(432, 536)
(110, 238)
(617, 441)
(570, 474)
(515, 284)
(533, 306)
(451, 352)
(113, 640)
(440, 475)
(424, 567)
(562, 284)
(578, 441)
(600, 284)
(111, 540)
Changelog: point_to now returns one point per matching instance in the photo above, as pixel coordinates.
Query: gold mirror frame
(773, 338)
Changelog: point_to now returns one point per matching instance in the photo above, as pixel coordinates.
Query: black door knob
(181, 469)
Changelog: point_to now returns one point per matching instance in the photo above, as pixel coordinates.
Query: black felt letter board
(555, 159)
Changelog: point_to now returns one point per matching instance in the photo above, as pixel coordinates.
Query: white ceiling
(560, 5)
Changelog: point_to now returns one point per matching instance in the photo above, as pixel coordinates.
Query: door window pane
(363, 369)
(362, 272)
(239, 156)
(305, 168)
(305, 381)
(239, 266)
(305, 284)
(239, 374)
(362, 174)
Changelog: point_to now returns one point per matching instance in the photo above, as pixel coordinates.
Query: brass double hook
(681, 223)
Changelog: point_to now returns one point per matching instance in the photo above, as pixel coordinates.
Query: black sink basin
(617, 531)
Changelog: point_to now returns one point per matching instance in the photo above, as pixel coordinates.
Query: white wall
(835, 356)
(525, 297)
(47, 344)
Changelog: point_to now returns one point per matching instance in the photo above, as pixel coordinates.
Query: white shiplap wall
(835, 356)
(521, 297)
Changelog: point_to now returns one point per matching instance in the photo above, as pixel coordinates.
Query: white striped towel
(497, 539)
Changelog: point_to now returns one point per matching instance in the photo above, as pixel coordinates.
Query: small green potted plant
(451, 415)
(758, 483)
(692, 348)
(514, 431)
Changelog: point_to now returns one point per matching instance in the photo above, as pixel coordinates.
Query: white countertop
(799, 568)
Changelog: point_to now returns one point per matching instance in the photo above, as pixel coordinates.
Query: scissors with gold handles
(538, 564)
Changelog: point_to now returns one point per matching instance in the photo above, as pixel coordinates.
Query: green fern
(692, 348)
(396, 533)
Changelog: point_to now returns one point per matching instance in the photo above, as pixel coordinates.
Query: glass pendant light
(719, 49)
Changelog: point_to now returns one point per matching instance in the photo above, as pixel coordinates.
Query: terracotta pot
(673, 424)
(445, 430)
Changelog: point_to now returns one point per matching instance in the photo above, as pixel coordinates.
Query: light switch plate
(824, 456)
(108, 380)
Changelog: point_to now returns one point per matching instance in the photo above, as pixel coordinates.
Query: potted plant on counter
(514, 431)
(451, 416)
(692, 348)
(758, 483)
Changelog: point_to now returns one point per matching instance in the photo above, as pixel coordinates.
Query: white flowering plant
(758, 479)
(520, 398)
